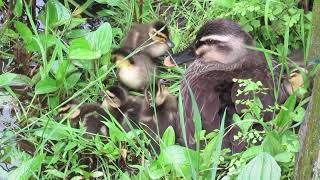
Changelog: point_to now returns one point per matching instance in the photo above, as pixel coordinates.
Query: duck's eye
(212, 41)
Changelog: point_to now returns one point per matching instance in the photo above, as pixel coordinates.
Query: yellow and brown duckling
(135, 72)
(298, 76)
(154, 35)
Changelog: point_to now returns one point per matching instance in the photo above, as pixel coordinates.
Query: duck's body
(221, 55)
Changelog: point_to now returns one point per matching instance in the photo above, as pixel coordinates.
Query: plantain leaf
(168, 137)
(262, 167)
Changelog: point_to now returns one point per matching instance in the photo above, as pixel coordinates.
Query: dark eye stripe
(207, 42)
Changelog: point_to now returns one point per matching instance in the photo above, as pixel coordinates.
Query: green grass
(60, 148)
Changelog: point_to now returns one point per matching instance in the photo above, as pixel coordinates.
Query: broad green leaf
(251, 152)
(290, 141)
(46, 86)
(81, 49)
(97, 174)
(57, 14)
(12, 79)
(272, 143)
(61, 69)
(27, 168)
(56, 173)
(72, 80)
(53, 101)
(10, 33)
(53, 132)
(178, 157)
(299, 114)
(24, 31)
(76, 33)
(262, 167)
(17, 11)
(45, 40)
(76, 22)
(101, 39)
(284, 118)
(1, 3)
(155, 171)
(284, 157)
(168, 137)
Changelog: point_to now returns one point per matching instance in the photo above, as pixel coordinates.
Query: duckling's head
(161, 43)
(295, 81)
(120, 58)
(162, 93)
(115, 97)
(218, 40)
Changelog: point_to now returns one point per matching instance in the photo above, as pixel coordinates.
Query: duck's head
(219, 40)
(114, 97)
(161, 42)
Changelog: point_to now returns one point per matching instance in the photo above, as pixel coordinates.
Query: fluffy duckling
(120, 104)
(90, 114)
(139, 111)
(136, 71)
(294, 82)
(164, 114)
(156, 34)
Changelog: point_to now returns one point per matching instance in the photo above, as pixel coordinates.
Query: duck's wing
(208, 103)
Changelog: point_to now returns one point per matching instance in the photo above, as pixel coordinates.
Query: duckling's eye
(113, 59)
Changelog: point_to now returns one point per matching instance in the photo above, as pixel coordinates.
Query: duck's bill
(179, 58)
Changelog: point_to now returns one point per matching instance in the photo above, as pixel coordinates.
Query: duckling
(164, 114)
(156, 34)
(294, 82)
(136, 71)
(220, 54)
(121, 105)
(140, 112)
(90, 114)
(298, 73)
